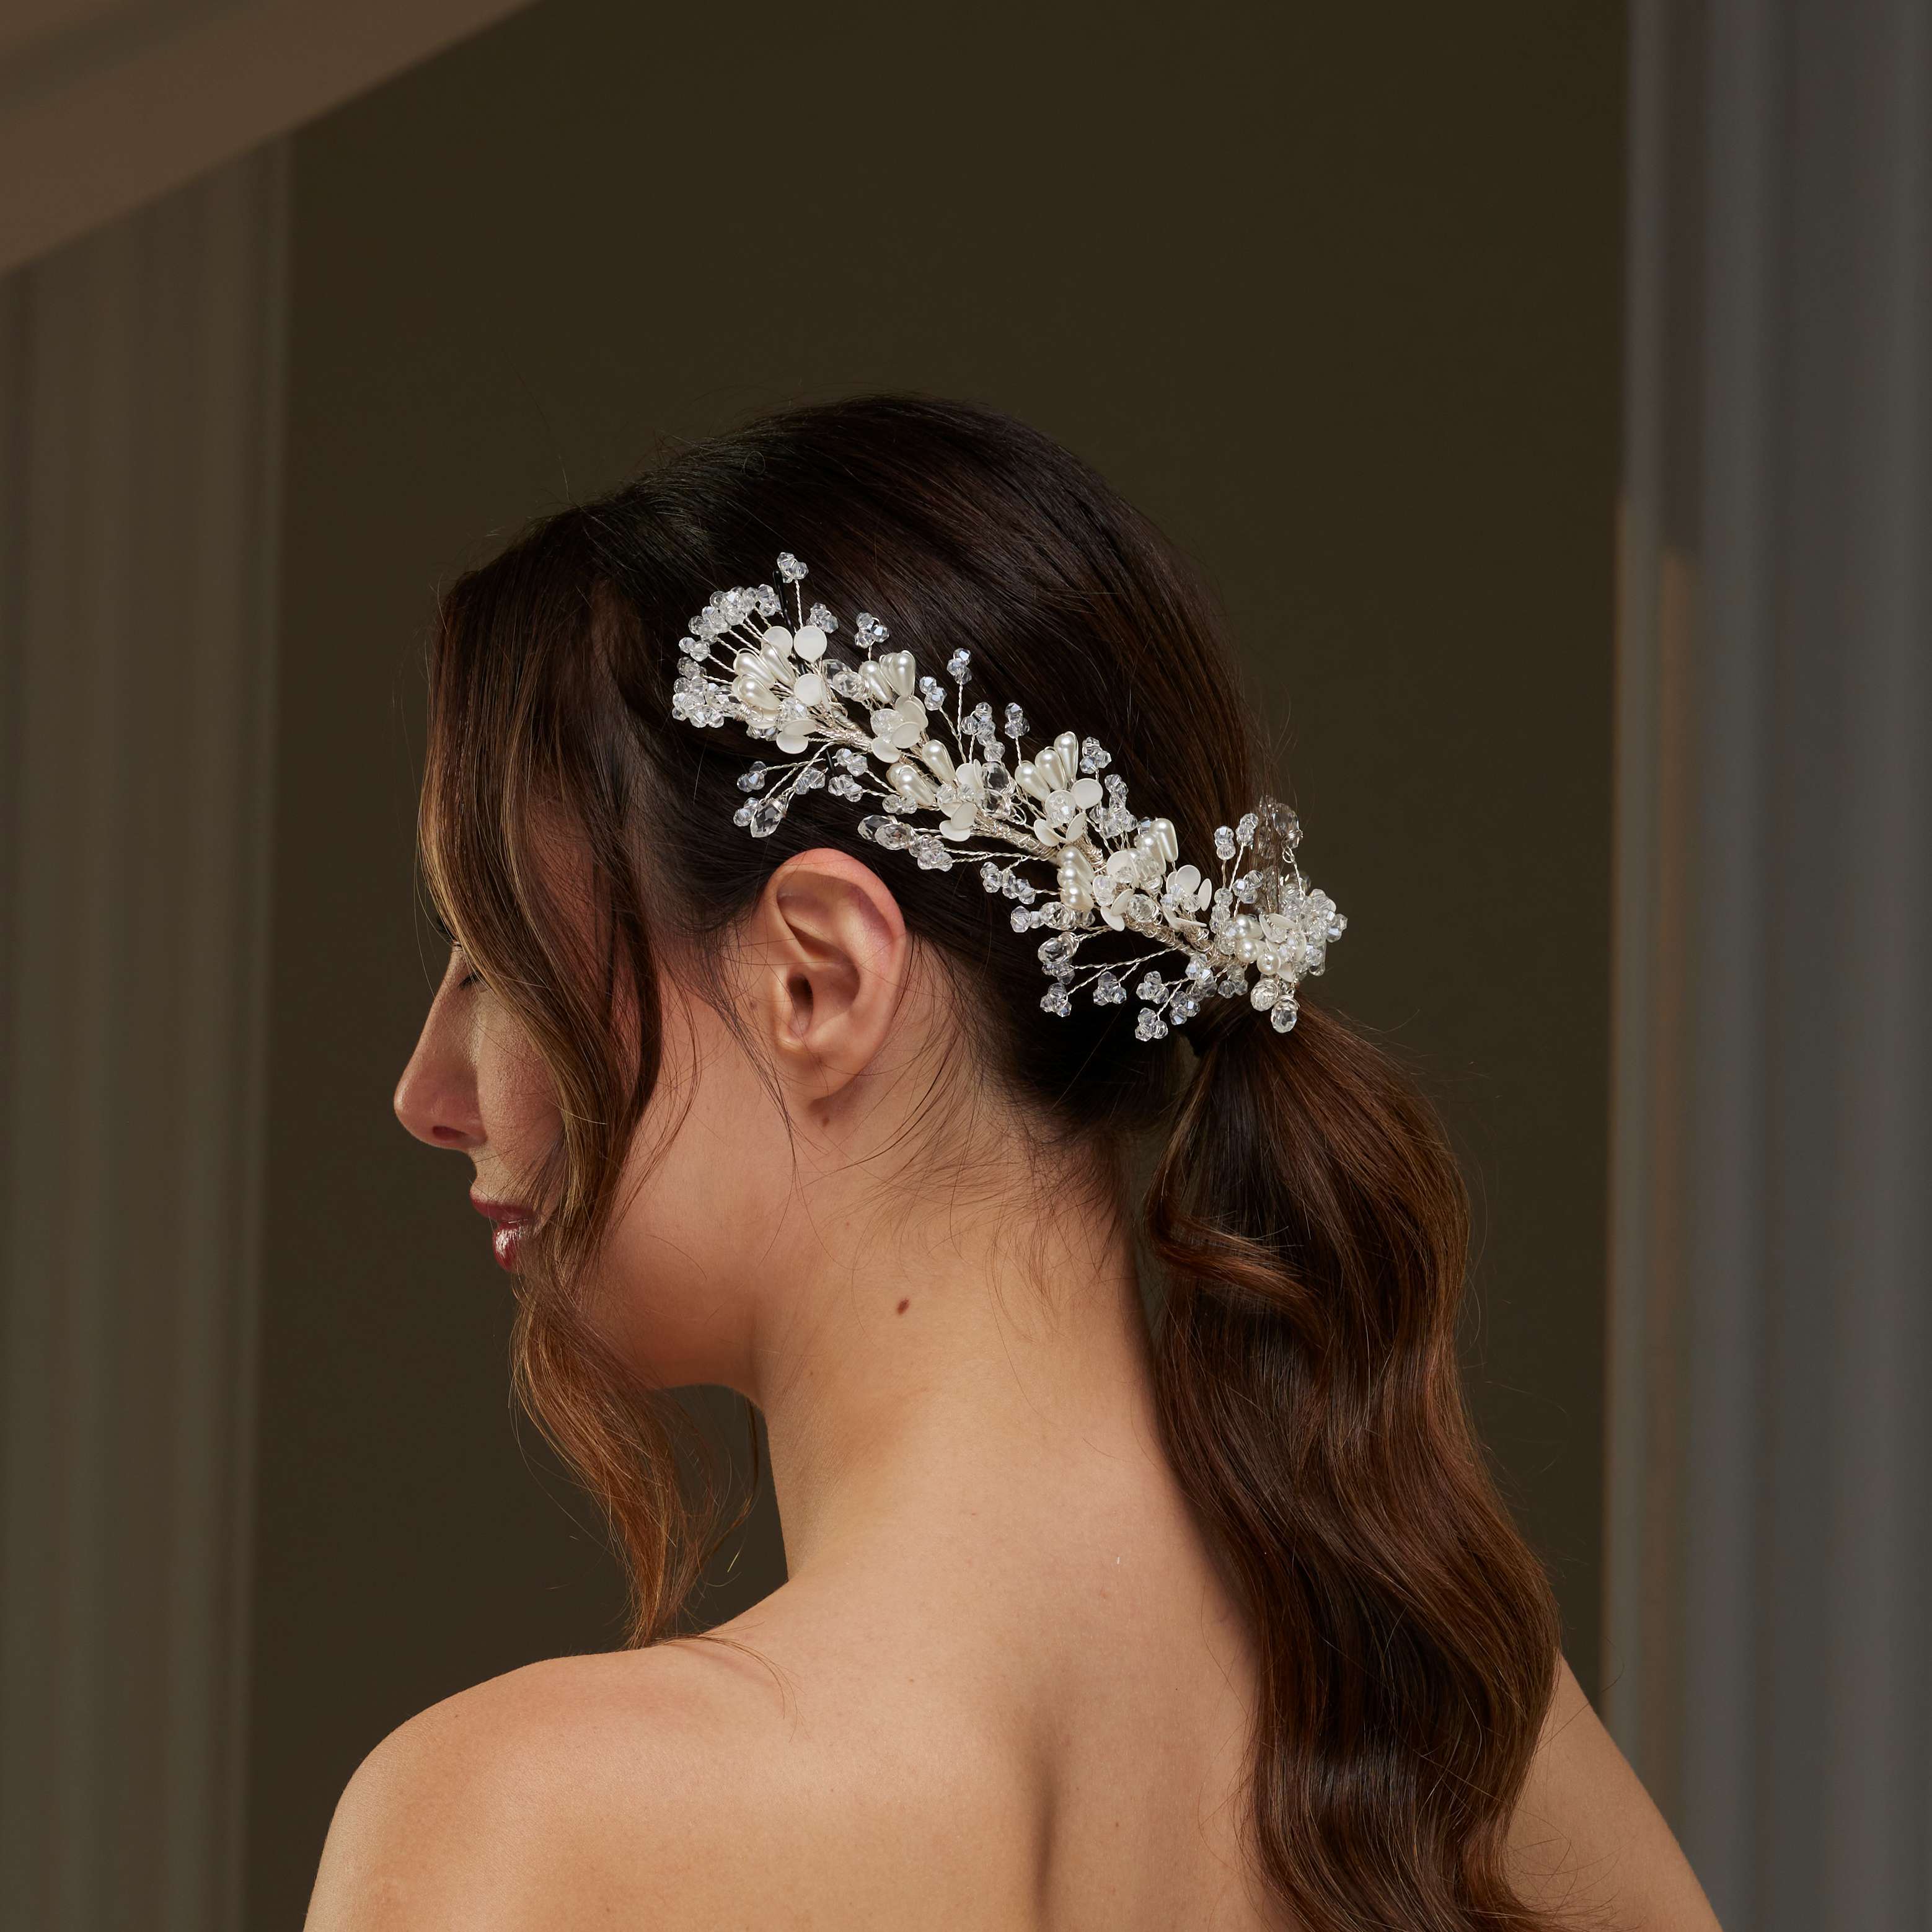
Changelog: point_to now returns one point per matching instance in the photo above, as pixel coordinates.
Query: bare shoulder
(1586, 1840)
(562, 1792)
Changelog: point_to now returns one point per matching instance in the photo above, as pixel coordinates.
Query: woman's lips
(509, 1222)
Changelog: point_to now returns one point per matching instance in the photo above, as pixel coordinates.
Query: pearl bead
(909, 781)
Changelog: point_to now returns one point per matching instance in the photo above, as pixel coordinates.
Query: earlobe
(836, 954)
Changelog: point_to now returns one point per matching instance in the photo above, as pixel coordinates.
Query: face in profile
(750, 1165)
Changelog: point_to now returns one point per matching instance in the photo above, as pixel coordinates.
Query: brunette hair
(1308, 1220)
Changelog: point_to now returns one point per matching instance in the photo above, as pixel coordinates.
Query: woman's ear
(829, 953)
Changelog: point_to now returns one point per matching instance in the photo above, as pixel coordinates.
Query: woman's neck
(955, 1384)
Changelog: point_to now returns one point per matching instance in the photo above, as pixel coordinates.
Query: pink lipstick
(509, 1222)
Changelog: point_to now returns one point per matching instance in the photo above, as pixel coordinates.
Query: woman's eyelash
(472, 978)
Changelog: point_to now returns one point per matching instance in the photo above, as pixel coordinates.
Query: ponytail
(1312, 1226)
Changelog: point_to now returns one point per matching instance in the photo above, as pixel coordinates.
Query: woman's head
(689, 1033)
(580, 843)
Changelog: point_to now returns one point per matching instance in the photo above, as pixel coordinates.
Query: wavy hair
(1307, 1220)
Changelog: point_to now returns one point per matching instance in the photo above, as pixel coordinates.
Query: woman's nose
(435, 1098)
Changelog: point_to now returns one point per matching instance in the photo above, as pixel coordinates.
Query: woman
(1212, 1620)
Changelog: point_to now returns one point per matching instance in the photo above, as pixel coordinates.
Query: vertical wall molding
(140, 402)
(1770, 1514)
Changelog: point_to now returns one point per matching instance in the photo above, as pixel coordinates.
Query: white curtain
(139, 410)
(1770, 1517)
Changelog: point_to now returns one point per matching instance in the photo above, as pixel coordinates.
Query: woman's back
(1038, 1720)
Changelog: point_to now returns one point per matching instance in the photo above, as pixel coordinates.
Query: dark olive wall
(1331, 291)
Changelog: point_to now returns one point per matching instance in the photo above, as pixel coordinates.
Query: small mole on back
(905, 1305)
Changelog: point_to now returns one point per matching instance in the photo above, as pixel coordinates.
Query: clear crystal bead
(1150, 1025)
(959, 666)
(1021, 918)
(789, 569)
(1015, 726)
(765, 817)
(1055, 1001)
(1108, 990)
(1152, 987)
(1284, 1016)
(1224, 841)
(822, 619)
(1093, 756)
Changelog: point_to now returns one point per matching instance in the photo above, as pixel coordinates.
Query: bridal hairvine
(1060, 808)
